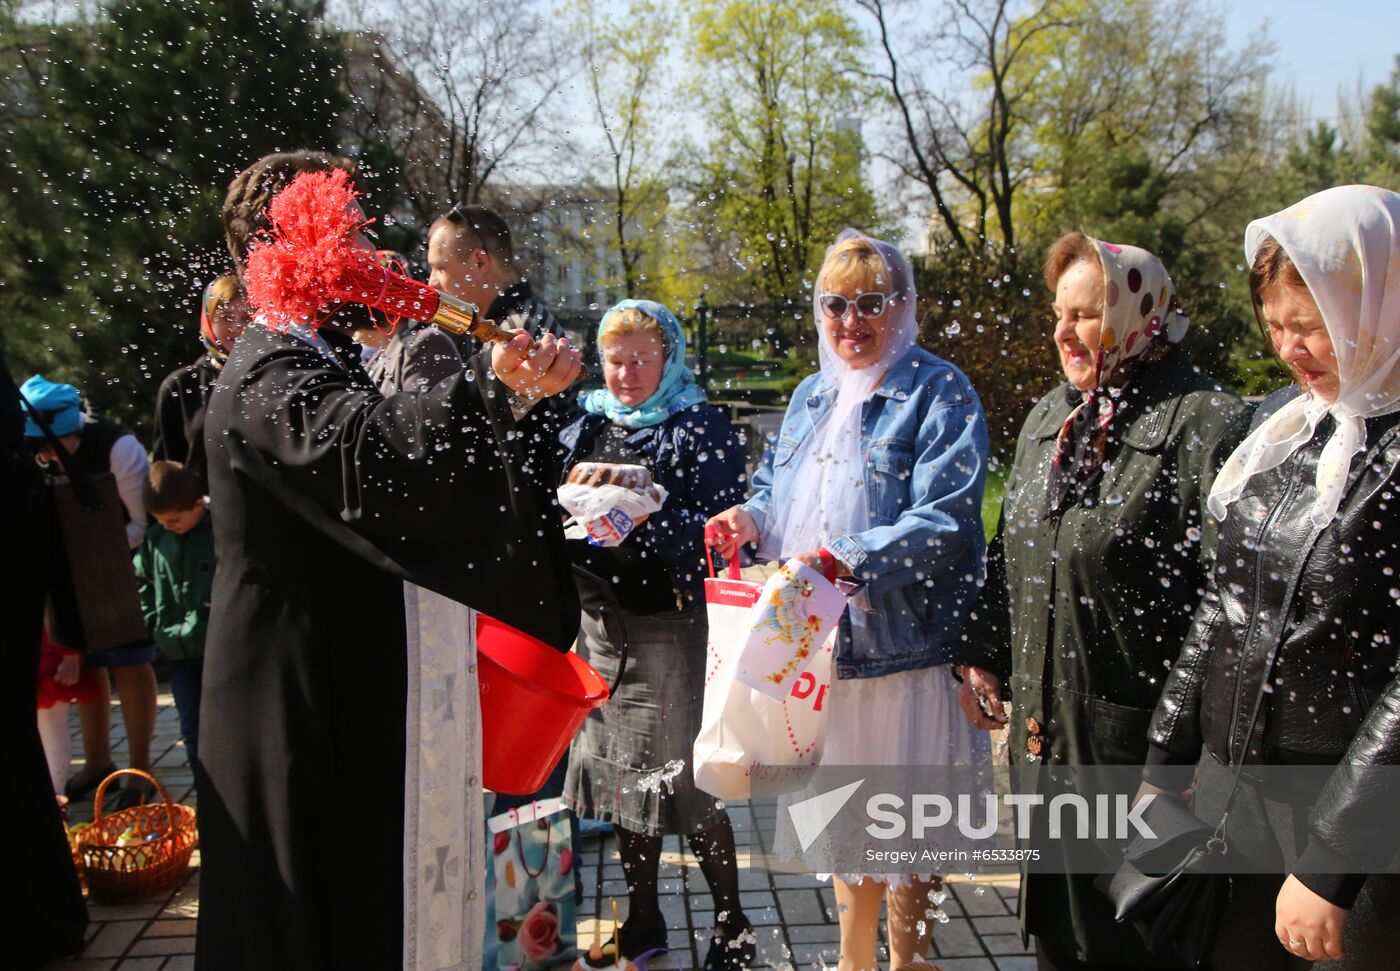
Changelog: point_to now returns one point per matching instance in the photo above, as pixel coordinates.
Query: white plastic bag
(795, 614)
(744, 732)
(605, 514)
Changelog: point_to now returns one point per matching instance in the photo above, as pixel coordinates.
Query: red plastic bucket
(533, 700)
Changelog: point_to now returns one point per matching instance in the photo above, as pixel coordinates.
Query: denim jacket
(925, 442)
(697, 457)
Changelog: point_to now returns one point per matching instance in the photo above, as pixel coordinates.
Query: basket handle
(102, 790)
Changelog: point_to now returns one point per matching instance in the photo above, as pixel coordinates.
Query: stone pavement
(795, 916)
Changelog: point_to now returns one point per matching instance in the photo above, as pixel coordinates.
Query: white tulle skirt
(912, 718)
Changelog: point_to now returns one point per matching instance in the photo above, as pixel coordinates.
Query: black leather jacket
(1313, 611)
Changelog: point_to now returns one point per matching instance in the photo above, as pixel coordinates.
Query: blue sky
(1322, 46)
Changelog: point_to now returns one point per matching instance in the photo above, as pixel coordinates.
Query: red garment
(50, 691)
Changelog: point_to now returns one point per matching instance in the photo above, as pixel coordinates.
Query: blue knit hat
(60, 403)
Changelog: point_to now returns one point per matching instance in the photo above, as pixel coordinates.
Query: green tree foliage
(1153, 126)
(1383, 125)
(122, 134)
(781, 169)
(1139, 121)
(1151, 84)
(964, 146)
(1157, 143)
(1319, 160)
(626, 88)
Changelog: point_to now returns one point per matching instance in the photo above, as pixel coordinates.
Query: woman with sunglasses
(1100, 557)
(880, 462)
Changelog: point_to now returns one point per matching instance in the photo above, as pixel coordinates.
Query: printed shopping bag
(531, 918)
(795, 614)
(744, 731)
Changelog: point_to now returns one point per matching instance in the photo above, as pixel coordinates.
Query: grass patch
(729, 357)
(997, 472)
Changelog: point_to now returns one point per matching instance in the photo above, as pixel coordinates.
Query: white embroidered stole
(444, 827)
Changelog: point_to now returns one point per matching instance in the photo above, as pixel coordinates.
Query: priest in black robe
(328, 758)
(45, 917)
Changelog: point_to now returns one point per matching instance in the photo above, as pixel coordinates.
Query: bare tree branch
(474, 93)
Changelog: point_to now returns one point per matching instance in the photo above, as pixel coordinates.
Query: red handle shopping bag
(744, 731)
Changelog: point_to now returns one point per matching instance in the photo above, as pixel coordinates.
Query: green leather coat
(1083, 612)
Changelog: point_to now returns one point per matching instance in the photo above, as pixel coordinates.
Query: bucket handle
(621, 652)
(611, 607)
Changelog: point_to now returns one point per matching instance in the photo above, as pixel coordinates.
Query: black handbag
(93, 602)
(1168, 889)
(1173, 888)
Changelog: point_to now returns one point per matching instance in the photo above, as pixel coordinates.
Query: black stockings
(714, 851)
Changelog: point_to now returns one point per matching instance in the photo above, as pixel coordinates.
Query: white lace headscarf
(829, 468)
(1345, 243)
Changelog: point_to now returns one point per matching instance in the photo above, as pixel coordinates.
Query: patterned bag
(795, 614)
(744, 731)
(531, 915)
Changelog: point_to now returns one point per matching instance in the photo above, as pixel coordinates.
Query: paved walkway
(795, 916)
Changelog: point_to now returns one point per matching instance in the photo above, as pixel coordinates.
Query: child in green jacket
(175, 567)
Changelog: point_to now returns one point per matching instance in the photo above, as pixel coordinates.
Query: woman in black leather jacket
(1297, 618)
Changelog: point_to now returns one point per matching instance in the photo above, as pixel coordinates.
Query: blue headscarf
(61, 404)
(677, 390)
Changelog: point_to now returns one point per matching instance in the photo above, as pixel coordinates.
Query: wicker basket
(75, 833)
(121, 874)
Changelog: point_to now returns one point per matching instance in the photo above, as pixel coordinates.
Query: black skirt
(631, 762)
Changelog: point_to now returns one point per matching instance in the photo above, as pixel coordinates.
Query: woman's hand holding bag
(730, 530)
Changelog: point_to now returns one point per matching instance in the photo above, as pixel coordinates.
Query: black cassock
(45, 917)
(328, 497)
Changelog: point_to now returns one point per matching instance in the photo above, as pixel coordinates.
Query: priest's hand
(535, 370)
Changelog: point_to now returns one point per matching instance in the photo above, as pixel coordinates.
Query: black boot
(732, 947)
(640, 938)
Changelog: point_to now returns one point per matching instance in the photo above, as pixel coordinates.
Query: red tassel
(308, 261)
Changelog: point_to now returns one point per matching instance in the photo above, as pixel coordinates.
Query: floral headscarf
(1345, 243)
(217, 292)
(1140, 323)
(677, 390)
